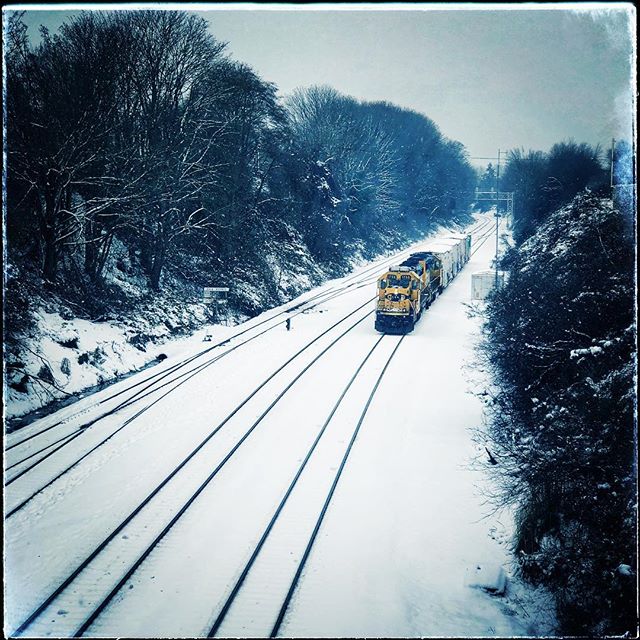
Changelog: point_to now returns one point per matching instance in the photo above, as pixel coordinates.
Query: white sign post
(216, 296)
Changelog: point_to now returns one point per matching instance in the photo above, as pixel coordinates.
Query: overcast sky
(489, 78)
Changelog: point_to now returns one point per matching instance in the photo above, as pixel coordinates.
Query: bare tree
(66, 160)
(168, 123)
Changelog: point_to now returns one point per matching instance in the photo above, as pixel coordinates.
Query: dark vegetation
(138, 149)
(543, 182)
(487, 181)
(560, 345)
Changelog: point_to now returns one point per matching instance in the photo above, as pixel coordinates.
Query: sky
(492, 78)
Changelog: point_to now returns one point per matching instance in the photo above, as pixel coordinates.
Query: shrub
(560, 344)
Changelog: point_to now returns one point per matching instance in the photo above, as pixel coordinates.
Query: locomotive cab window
(383, 284)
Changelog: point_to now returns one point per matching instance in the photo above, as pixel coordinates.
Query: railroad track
(181, 378)
(84, 584)
(483, 238)
(357, 281)
(51, 603)
(23, 503)
(159, 376)
(246, 609)
(177, 381)
(162, 376)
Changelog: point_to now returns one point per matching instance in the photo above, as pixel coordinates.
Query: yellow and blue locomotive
(407, 289)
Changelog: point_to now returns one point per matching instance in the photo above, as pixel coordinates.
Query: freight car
(466, 245)
(407, 289)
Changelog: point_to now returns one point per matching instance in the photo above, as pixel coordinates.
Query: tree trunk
(90, 249)
(103, 254)
(50, 267)
(156, 268)
(48, 221)
(159, 255)
(146, 249)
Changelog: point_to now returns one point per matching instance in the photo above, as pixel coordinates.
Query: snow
(487, 576)
(406, 522)
(576, 353)
(81, 354)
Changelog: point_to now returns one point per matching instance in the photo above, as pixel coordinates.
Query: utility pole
(613, 146)
(497, 215)
(508, 197)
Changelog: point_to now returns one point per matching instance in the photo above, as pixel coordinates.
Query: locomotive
(407, 289)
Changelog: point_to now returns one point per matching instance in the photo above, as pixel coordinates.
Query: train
(405, 290)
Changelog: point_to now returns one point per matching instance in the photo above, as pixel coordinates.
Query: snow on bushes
(560, 343)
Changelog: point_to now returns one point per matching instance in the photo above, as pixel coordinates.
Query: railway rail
(231, 598)
(103, 545)
(154, 387)
(52, 601)
(357, 280)
(15, 509)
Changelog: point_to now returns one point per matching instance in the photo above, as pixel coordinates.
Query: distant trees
(372, 170)
(542, 182)
(560, 345)
(349, 164)
(133, 128)
(487, 181)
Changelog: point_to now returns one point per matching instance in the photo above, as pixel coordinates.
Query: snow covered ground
(405, 537)
(68, 355)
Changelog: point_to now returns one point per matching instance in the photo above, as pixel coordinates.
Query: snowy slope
(403, 532)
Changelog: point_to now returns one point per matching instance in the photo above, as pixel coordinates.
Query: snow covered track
(350, 283)
(290, 533)
(232, 484)
(105, 603)
(180, 379)
(52, 600)
(482, 238)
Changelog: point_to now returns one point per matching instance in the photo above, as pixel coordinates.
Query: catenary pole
(497, 215)
(613, 146)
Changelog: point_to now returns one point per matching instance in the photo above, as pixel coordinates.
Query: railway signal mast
(497, 197)
(217, 298)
